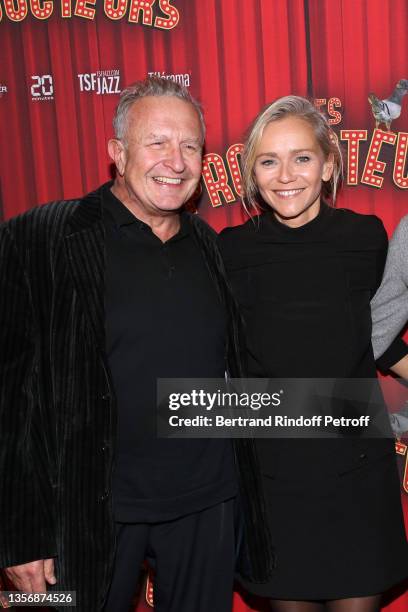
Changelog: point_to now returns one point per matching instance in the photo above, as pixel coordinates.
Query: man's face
(161, 158)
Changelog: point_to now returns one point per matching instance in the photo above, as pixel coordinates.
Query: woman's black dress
(334, 507)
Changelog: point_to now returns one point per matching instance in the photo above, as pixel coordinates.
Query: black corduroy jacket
(57, 404)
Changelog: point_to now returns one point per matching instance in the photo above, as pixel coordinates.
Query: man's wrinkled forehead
(157, 115)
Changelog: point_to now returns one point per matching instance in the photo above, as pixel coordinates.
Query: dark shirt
(305, 295)
(163, 320)
(305, 292)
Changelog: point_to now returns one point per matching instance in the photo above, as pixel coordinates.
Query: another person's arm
(390, 314)
(400, 368)
(390, 305)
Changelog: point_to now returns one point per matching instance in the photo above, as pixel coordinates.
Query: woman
(304, 273)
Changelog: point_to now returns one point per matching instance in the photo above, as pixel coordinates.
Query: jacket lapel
(85, 251)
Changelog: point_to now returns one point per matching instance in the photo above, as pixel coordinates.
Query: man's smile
(166, 180)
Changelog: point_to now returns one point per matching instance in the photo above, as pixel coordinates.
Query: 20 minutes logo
(42, 87)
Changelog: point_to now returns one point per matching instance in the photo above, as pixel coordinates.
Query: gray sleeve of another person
(389, 306)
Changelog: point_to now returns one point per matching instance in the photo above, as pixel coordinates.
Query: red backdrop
(63, 63)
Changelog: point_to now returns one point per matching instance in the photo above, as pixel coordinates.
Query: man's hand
(32, 577)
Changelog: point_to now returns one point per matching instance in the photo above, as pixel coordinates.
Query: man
(100, 297)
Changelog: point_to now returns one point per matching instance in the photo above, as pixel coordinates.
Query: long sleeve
(25, 532)
(390, 304)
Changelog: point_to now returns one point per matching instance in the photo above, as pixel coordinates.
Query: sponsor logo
(42, 88)
(183, 79)
(102, 82)
(3, 90)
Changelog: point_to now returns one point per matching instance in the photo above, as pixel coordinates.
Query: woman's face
(289, 169)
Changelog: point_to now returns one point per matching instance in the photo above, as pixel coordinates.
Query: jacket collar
(85, 252)
(88, 211)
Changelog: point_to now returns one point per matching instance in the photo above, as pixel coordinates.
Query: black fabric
(305, 293)
(336, 537)
(193, 559)
(164, 319)
(57, 402)
(394, 353)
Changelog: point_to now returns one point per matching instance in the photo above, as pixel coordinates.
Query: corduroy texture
(57, 410)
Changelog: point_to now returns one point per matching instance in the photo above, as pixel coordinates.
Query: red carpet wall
(63, 63)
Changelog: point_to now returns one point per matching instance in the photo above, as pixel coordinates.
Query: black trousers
(194, 560)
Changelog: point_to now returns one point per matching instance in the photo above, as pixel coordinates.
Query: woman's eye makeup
(299, 159)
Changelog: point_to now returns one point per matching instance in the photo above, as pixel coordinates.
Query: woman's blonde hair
(290, 106)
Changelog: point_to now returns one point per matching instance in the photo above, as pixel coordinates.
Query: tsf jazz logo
(101, 82)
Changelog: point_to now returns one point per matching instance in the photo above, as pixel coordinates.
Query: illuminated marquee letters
(334, 115)
(353, 138)
(139, 11)
(400, 158)
(401, 449)
(115, 9)
(373, 164)
(84, 8)
(216, 179)
(41, 9)
(233, 166)
(16, 10)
